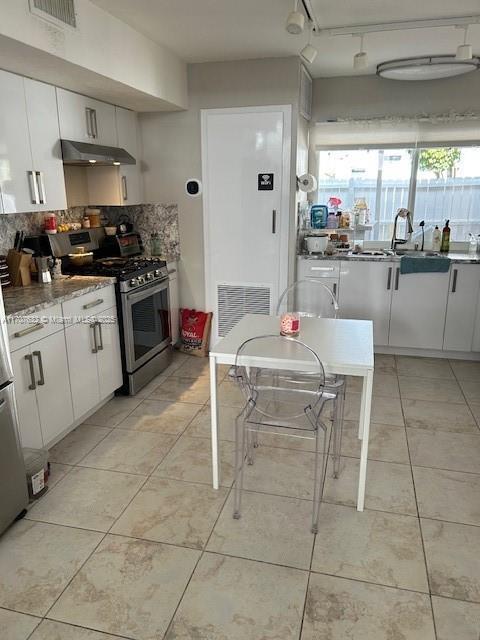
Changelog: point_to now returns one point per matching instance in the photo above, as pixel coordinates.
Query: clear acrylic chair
(309, 298)
(283, 400)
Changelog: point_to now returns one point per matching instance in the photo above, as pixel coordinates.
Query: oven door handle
(143, 293)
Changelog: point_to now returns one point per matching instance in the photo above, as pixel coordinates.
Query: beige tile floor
(132, 542)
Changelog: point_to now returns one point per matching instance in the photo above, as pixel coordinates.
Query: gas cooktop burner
(131, 272)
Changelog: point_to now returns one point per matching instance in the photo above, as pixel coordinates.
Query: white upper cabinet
(419, 305)
(17, 184)
(86, 119)
(44, 132)
(31, 169)
(462, 307)
(130, 174)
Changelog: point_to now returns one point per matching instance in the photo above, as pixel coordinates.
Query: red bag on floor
(195, 331)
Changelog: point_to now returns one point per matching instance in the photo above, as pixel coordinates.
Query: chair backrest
(308, 297)
(269, 371)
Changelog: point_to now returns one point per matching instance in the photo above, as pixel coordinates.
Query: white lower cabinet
(109, 359)
(42, 390)
(419, 304)
(436, 311)
(25, 398)
(93, 349)
(460, 324)
(83, 366)
(65, 372)
(365, 294)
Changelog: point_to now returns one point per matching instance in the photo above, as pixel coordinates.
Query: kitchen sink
(419, 254)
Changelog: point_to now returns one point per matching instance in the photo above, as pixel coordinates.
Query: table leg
(214, 420)
(365, 430)
(362, 413)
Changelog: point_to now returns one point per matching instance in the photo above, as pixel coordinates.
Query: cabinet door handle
(94, 123)
(38, 354)
(88, 116)
(93, 327)
(25, 332)
(454, 283)
(94, 303)
(33, 187)
(274, 221)
(41, 187)
(321, 269)
(397, 278)
(335, 289)
(100, 336)
(32, 384)
(389, 279)
(124, 188)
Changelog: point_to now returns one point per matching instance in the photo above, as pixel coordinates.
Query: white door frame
(284, 214)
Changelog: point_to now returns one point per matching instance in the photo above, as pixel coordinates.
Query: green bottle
(445, 238)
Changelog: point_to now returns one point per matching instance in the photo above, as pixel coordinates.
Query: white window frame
(416, 147)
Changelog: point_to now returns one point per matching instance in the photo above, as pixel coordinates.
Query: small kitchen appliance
(316, 243)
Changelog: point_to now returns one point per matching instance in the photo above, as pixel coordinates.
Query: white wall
(172, 153)
(103, 57)
(371, 96)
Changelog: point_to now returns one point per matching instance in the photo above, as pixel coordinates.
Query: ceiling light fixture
(426, 68)
(309, 53)
(295, 21)
(464, 51)
(360, 59)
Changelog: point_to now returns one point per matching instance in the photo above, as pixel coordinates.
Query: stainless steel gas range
(143, 299)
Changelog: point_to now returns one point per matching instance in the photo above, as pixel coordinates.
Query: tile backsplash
(146, 219)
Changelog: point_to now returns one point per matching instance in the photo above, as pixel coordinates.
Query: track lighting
(360, 59)
(295, 21)
(464, 51)
(309, 53)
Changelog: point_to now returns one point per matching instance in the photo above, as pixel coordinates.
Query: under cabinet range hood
(83, 154)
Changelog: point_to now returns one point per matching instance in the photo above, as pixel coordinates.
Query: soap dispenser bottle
(445, 238)
(436, 239)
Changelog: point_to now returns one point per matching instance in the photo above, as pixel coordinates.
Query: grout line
(202, 553)
(420, 527)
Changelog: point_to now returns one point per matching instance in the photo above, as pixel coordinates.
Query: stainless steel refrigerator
(13, 483)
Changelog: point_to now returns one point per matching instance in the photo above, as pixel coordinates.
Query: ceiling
(215, 30)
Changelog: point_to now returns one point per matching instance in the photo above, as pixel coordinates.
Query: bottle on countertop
(436, 239)
(445, 238)
(50, 222)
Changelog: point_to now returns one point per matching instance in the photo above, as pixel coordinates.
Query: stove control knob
(149, 276)
(133, 282)
(141, 280)
(158, 273)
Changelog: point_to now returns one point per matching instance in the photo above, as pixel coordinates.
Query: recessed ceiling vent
(62, 12)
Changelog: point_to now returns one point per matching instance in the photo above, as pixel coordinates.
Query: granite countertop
(35, 297)
(464, 258)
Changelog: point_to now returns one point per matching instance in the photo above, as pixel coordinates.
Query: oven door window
(150, 323)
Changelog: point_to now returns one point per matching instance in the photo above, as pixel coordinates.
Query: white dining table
(345, 347)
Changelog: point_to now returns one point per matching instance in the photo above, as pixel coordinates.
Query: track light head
(360, 61)
(295, 23)
(464, 52)
(308, 53)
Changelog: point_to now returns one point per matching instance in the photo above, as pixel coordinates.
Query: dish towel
(421, 264)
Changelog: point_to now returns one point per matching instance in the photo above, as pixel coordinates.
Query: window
(436, 183)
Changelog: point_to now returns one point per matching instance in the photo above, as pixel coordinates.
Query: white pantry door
(246, 175)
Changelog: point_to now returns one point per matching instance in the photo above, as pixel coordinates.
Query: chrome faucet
(406, 214)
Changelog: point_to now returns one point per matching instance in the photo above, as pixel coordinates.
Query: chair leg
(250, 439)
(337, 427)
(319, 475)
(240, 428)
